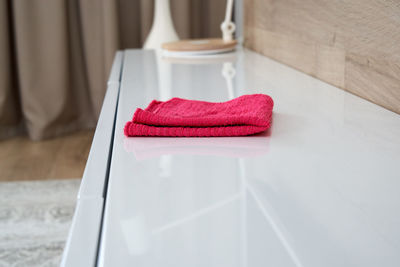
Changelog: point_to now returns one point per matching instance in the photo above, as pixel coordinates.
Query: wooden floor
(60, 158)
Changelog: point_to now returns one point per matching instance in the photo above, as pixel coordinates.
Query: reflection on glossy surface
(247, 146)
(319, 189)
(204, 59)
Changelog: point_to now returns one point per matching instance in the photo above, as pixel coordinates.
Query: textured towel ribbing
(245, 115)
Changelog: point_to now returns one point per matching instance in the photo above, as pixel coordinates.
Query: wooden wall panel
(352, 44)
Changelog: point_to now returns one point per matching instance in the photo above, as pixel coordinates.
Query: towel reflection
(237, 147)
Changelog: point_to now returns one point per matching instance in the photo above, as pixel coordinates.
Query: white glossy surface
(115, 73)
(94, 176)
(95, 173)
(83, 239)
(320, 188)
(81, 246)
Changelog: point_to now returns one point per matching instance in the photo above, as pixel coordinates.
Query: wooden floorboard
(59, 158)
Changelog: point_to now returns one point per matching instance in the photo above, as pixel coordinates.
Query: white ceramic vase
(163, 28)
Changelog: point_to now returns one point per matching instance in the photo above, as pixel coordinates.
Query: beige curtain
(55, 56)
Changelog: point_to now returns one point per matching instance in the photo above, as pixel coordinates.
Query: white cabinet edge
(81, 246)
(82, 243)
(115, 73)
(94, 176)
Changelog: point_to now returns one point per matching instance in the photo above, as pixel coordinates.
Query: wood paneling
(352, 44)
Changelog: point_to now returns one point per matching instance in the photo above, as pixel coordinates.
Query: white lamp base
(163, 28)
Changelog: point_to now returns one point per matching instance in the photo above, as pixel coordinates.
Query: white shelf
(320, 188)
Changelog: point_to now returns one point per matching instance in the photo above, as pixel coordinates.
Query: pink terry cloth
(245, 115)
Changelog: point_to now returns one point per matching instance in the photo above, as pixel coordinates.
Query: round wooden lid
(199, 45)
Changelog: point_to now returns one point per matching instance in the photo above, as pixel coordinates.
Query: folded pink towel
(245, 115)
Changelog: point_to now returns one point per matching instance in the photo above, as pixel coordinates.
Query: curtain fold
(10, 114)
(56, 56)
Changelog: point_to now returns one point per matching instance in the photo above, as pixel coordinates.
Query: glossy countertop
(320, 188)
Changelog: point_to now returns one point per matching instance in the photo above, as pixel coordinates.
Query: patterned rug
(35, 217)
